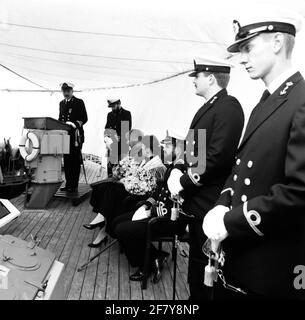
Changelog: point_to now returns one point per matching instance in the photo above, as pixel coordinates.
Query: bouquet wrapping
(142, 179)
(125, 166)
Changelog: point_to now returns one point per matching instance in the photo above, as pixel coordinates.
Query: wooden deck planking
(59, 228)
(43, 225)
(149, 293)
(62, 230)
(90, 274)
(83, 252)
(182, 290)
(65, 243)
(135, 289)
(100, 288)
(72, 249)
(182, 270)
(8, 229)
(113, 284)
(124, 283)
(54, 225)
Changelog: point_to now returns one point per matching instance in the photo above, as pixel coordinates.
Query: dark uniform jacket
(161, 202)
(74, 111)
(114, 121)
(223, 119)
(266, 194)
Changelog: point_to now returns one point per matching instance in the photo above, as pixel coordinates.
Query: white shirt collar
(277, 82)
(69, 99)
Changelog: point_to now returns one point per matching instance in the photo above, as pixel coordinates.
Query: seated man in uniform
(131, 228)
(72, 111)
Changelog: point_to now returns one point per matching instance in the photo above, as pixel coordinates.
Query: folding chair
(174, 239)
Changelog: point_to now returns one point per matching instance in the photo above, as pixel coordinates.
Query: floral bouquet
(127, 164)
(142, 179)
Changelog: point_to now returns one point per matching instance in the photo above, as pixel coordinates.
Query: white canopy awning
(101, 43)
(119, 45)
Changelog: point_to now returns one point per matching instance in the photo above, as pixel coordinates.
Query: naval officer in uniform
(260, 215)
(72, 111)
(119, 123)
(222, 119)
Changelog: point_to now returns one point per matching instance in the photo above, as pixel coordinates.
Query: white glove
(108, 141)
(71, 124)
(141, 213)
(213, 225)
(173, 182)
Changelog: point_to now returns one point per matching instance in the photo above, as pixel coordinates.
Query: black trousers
(72, 163)
(132, 236)
(110, 198)
(197, 263)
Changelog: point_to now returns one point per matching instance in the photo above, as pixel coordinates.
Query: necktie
(255, 111)
(265, 96)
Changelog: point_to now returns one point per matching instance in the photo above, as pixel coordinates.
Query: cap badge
(284, 91)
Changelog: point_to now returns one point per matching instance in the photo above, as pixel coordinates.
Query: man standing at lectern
(72, 111)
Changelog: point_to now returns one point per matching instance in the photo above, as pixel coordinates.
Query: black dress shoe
(137, 276)
(64, 189)
(91, 226)
(73, 190)
(96, 245)
(158, 265)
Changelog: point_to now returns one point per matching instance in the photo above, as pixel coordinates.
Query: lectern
(43, 147)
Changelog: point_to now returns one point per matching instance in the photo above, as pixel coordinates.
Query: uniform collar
(276, 101)
(71, 99)
(219, 94)
(207, 106)
(119, 112)
(277, 82)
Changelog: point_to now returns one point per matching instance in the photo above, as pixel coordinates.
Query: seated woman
(133, 138)
(110, 198)
(131, 228)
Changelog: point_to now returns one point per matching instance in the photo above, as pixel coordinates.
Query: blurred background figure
(119, 123)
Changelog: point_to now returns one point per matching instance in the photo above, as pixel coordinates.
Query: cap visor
(235, 47)
(193, 74)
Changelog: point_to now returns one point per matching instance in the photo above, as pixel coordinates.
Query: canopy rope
(92, 55)
(119, 35)
(22, 77)
(31, 57)
(105, 88)
(139, 84)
